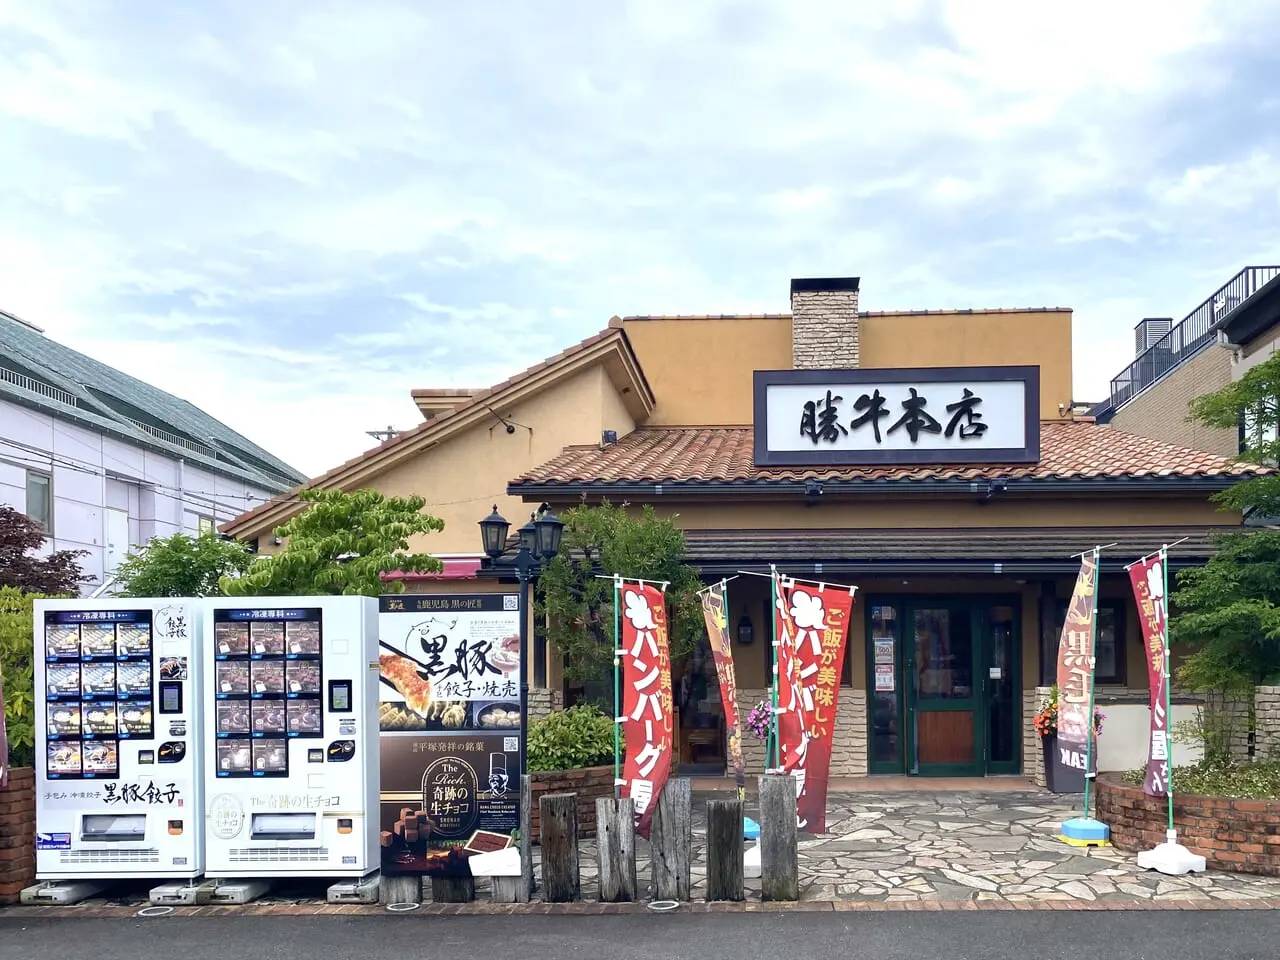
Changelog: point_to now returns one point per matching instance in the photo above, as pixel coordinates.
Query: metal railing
(173, 438)
(1188, 337)
(37, 386)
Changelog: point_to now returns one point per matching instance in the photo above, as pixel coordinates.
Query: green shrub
(16, 663)
(1255, 781)
(581, 736)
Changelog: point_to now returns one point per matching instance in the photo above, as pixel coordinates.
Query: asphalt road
(1147, 935)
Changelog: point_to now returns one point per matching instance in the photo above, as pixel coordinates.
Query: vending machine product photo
(119, 791)
(291, 733)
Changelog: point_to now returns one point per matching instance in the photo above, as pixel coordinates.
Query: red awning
(463, 568)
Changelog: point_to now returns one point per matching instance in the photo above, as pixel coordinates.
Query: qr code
(511, 601)
(510, 744)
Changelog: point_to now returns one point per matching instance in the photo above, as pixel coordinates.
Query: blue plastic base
(750, 829)
(1085, 831)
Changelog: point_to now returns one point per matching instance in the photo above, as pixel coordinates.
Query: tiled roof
(43, 374)
(332, 478)
(724, 455)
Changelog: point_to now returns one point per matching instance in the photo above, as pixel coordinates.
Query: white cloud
(292, 214)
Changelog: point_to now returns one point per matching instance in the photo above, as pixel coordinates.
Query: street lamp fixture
(539, 543)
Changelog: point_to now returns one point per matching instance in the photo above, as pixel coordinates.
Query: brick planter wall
(1242, 835)
(589, 783)
(17, 834)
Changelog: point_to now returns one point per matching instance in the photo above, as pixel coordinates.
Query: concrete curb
(97, 912)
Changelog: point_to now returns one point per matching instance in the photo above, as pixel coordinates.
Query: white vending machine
(291, 721)
(118, 778)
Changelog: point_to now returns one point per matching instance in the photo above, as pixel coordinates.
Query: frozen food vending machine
(291, 732)
(118, 778)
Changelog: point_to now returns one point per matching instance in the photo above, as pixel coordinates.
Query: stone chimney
(824, 323)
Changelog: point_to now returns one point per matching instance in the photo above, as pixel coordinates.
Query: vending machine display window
(267, 683)
(98, 667)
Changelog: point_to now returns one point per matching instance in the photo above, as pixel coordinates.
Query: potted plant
(1060, 779)
(571, 751)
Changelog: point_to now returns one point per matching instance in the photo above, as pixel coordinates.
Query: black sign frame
(1029, 452)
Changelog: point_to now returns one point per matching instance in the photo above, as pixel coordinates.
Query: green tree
(342, 544)
(20, 537)
(18, 670)
(181, 566)
(1227, 613)
(611, 540)
(1254, 399)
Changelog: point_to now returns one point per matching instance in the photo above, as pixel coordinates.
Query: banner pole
(1093, 634)
(617, 687)
(1168, 682)
(773, 746)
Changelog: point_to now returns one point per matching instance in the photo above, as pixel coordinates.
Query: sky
(293, 213)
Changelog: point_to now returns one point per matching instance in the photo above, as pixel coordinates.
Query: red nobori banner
(1147, 577)
(646, 699)
(819, 621)
(790, 720)
(716, 612)
(1075, 672)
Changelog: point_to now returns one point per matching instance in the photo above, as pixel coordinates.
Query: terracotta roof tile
(724, 454)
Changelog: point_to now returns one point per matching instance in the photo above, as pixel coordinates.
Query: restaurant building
(935, 459)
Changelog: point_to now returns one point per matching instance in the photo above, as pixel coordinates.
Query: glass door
(944, 692)
(884, 659)
(1002, 668)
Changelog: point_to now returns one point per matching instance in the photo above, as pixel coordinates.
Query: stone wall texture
(824, 330)
(1267, 738)
(1032, 749)
(848, 751)
(1230, 713)
(1231, 834)
(589, 783)
(542, 702)
(17, 834)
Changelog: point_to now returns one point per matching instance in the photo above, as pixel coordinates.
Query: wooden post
(671, 842)
(400, 889)
(558, 834)
(725, 850)
(779, 853)
(526, 839)
(453, 889)
(506, 890)
(616, 849)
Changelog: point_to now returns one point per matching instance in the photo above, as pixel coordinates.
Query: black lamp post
(539, 543)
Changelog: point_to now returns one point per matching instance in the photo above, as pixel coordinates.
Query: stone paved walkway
(961, 847)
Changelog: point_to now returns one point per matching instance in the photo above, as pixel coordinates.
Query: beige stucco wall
(1161, 411)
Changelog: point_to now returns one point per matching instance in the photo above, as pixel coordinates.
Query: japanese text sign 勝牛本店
(646, 698)
(933, 415)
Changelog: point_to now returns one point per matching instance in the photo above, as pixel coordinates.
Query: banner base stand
(1085, 832)
(750, 829)
(1171, 858)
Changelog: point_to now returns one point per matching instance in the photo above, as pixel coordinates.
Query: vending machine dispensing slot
(113, 827)
(283, 826)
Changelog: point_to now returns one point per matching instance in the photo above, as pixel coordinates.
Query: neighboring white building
(106, 462)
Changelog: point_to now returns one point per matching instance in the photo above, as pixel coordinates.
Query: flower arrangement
(1046, 718)
(759, 720)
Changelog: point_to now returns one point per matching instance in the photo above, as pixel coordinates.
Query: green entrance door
(944, 703)
(944, 686)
